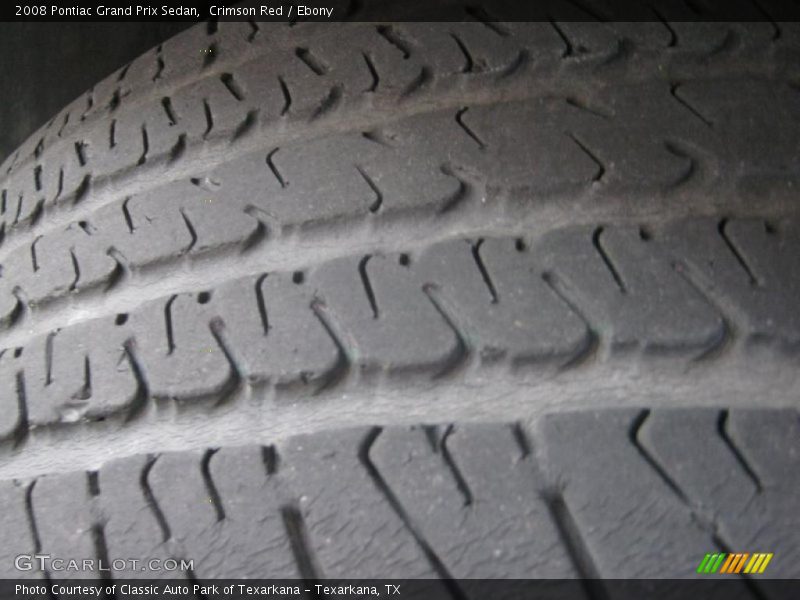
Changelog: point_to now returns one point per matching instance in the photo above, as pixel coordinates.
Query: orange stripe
(730, 559)
(741, 562)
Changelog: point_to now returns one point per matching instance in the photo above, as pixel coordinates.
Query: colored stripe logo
(733, 564)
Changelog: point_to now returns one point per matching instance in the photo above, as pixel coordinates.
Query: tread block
(399, 310)
(62, 508)
(131, 528)
(350, 525)
(741, 472)
(159, 230)
(67, 261)
(496, 525)
(750, 268)
(518, 317)
(253, 524)
(79, 373)
(629, 290)
(180, 354)
(15, 532)
(10, 415)
(185, 501)
(295, 348)
(627, 518)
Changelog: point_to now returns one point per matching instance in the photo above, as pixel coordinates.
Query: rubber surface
(617, 494)
(429, 223)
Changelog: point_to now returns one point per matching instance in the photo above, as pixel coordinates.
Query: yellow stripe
(739, 566)
(754, 562)
(730, 559)
(765, 563)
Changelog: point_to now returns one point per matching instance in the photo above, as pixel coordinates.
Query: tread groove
(390, 34)
(601, 169)
(383, 487)
(303, 552)
(576, 546)
(312, 62)
(237, 378)
(145, 147)
(634, 435)
(232, 86)
(376, 204)
(607, 260)
(262, 307)
(482, 16)
(373, 73)
(150, 499)
(287, 96)
(211, 488)
(721, 228)
(365, 282)
(469, 63)
(209, 118)
(462, 351)
(458, 476)
(271, 164)
(467, 130)
(192, 232)
(487, 279)
(344, 358)
(738, 454)
(75, 267)
(683, 102)
(168, 324)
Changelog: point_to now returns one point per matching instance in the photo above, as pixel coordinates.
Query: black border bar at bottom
(708, 588)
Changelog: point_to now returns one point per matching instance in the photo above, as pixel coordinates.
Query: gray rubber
(426, 223)
(615, 494)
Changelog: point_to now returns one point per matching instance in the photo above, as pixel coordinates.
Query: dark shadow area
(44, 66)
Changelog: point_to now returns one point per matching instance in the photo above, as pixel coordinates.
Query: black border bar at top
(290, 11)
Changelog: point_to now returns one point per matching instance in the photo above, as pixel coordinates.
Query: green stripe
(702, 566)
(718, 564)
